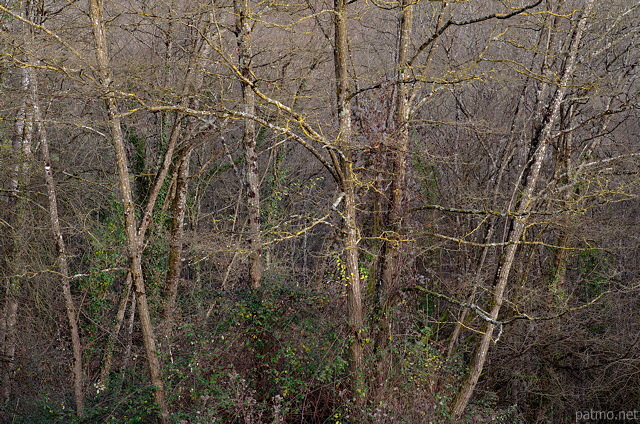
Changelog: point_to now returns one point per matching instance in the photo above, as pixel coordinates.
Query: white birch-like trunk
(17, 204)
(519, 223)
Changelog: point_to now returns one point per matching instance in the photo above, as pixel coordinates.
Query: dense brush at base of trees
(320, 212)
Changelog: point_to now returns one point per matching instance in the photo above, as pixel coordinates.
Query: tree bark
(107, 358)
(392, 248)
(244, 31)
(347, 183)
(135, 237)
(63, 265)
(17, 203)
(179, 205)
(519, 224)
(192, 83)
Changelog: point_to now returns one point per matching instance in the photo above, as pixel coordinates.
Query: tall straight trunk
(519, 224)
(17, 205)
(9, 320)
(568, 176)
(63, 264)
(251, 176)
(178, 209)
(391, 255)
(348, 186)
(135, 237)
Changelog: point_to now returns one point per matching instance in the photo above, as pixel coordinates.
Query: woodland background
(362, 211)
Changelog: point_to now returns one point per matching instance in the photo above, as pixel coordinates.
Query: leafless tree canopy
(319, 212)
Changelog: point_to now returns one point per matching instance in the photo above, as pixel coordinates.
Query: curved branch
(450, 22)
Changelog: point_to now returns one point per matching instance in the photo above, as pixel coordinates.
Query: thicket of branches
(262, 212)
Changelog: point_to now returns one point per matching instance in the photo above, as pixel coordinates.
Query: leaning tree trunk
(520, 222)
(63, 264)
(135, 237)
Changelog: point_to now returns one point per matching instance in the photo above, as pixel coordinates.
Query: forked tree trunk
(135, 237)
(519, 223)
(347, 183)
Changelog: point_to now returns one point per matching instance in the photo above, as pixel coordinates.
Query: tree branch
(450, 22)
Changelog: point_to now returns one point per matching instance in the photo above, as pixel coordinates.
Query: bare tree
(22, 144)
(244, 29)
(347, 182)
(135, 231)
(539, 146)
(63, 264)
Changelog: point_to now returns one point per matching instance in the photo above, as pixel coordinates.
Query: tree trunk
(519, 223)
(192, 83)
(63, 265)
(17, 204)
(174, 265)
(135, 238)
(244, 30)
(563, 176)
(391, 254)
(348, 186)
(107, 358)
